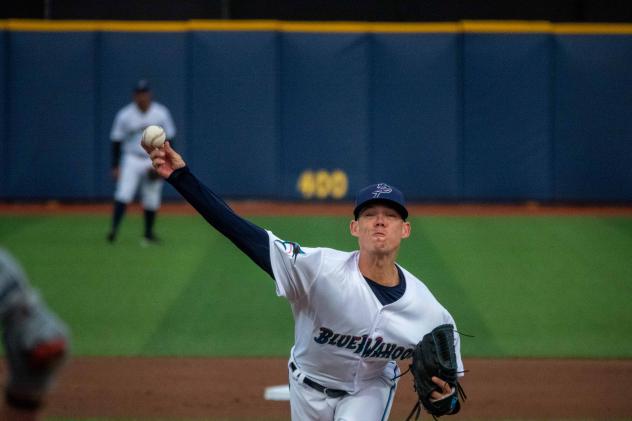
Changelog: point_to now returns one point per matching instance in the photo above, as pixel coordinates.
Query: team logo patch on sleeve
(291, 248)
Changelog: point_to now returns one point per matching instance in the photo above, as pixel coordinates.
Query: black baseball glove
(434, 355)
(152, 174)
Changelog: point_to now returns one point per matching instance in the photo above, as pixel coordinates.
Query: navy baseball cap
(384, 193)
(142, 86)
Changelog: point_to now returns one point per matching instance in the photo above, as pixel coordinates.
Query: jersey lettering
(397, 352)
(325, 334)
(386, 353)
(407, 354)
(352, 343)
(377, 352)
(359, 349)
(367, 347)
(343, 341)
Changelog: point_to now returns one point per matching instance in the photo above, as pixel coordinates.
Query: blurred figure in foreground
(36, 343)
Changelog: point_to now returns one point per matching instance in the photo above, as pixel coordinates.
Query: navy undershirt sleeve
(248, 237)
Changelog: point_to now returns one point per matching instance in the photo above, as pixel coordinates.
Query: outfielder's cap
(381, 192)
(142, 86)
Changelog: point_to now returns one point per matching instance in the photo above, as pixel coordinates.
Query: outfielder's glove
(36, 341)
(435, 355)
(152, 174)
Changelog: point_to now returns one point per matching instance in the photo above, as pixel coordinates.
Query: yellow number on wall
(323, 184)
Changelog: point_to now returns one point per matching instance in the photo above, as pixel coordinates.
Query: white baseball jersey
(127, 128)
(130, 122)
(344, 337)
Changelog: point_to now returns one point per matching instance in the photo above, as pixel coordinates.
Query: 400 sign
(322, 184)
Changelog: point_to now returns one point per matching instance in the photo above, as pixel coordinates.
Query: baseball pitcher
(357, 314)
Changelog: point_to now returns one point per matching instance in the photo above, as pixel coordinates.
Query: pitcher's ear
(353, 227)
(406, 229)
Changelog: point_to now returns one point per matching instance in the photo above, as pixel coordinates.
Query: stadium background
(511, 111)
(532, 111)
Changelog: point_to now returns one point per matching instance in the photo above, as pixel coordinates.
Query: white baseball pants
(372, 403)
(134, 171)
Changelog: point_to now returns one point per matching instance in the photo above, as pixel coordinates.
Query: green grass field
(523, 286)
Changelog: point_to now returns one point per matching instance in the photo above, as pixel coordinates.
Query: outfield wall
(449, 112)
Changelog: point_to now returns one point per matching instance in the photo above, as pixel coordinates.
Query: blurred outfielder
(36, 342)
(133, 170)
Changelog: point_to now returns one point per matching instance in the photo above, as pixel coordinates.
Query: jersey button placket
(372, 334)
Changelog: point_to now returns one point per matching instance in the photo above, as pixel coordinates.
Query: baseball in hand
(154, 137)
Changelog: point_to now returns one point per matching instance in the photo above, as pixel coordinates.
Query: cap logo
(382, 188)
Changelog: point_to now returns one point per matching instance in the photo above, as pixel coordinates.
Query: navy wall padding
(324, 106)
(233, 112)
(4, 100)
(452, 116)
(593, 111)
(507, 117)
(415, 114)
(50, 151)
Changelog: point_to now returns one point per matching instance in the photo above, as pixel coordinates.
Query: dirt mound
(218, 387)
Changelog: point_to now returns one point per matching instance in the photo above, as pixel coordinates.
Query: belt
(332, 393)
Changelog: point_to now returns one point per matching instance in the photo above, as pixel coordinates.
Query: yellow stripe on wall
(234, 25)
(507, 26)
(82, 25)
(377, 27)
(592, 28)
(25, 25)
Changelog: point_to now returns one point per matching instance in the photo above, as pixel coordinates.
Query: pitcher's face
(380, 229)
